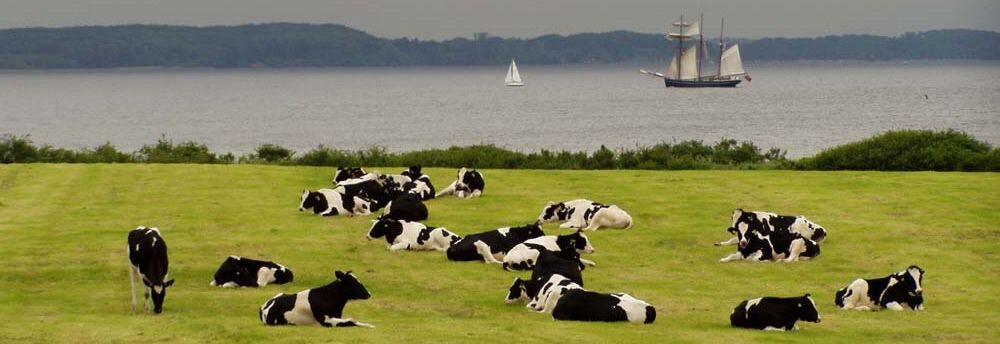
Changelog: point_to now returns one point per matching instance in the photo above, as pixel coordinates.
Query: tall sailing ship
(684, 69)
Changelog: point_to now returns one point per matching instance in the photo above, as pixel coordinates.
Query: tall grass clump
(909, 150)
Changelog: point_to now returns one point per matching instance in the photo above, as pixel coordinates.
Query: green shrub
(270, 152)
(165, 151)
(907, 150)
(17, 149)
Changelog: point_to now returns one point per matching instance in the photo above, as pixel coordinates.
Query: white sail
(689, 64)
(513, 77)
(731, 63)
(672, 69)
(686, 30)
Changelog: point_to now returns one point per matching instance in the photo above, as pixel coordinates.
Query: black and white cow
(419, 184)
(238, 271)
(774, 313)
(897, 292)
(584, 305)
(406, 235)
(785, 246)
(553, 289)
(524, 255)
(765, 223)
(345, 173)
(492, 246)
(564, 263)
(329, 202)
(147, 253)
(322, 306)
(585, 214)
(470, 184)
(407, 207)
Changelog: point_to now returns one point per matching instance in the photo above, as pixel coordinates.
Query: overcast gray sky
(442, 19)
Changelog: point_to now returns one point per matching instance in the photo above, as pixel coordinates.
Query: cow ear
(168, 283)
(807, 295)
(339, 274)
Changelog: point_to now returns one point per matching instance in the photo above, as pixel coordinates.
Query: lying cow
(318, 306)
(585, 214)
(550, 292)
(345, 173)
(492, 246)
(470, 184)
(765, 223)
(406, 235)
(785, 246)
(896, 292)
(245, 272)
(774, 313)
(563, 263)
(329, 202)
(407, 207)
(524, 255)
(147, 253)
(419, 184)
(583, 305)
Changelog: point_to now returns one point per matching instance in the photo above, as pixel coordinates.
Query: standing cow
(896, 292)
(147, 253)
(765, 223)
(774, 313)
(238, 271)
(470, 184)
(318, 306)
(492, 246)
(585, 214)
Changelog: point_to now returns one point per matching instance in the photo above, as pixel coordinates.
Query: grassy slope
(63, 277)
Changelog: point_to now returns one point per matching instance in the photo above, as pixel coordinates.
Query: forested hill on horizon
(313, 45)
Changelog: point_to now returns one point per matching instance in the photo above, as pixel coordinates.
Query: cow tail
(841, 295)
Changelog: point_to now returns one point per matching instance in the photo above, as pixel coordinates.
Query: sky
(445, 19)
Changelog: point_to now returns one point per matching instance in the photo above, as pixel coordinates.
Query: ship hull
(700, 83)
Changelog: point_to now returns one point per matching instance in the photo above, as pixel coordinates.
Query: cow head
(807, 309)
(812, 230)
(742, 220)
(351, 287)
(551, 211)
(531, 231)
(517, 292)
(283, 275)
(576, 241)
(911, 279)
(413, 172)
(158, 291)
(382, 226)
(312, 200)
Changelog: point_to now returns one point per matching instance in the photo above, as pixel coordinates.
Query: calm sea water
(799, 107)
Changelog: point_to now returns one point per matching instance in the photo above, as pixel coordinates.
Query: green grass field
(63, 276)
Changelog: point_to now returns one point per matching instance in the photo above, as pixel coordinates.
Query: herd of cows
(556, 282)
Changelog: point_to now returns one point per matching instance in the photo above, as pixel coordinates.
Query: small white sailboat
(513, 77)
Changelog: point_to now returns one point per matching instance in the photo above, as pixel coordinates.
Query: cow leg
(569, 224)
(731, 241)
(769, 328)
(486, 252)
(588, 262)
(795, 249)
(732, 257)
(399, 247)
(475, 194)
(448, 190)
(131, 278)
(894, 306)
(337, 322)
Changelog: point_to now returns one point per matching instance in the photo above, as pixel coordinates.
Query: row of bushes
(906, 150)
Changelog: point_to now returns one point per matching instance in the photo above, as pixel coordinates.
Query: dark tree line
(305, 45)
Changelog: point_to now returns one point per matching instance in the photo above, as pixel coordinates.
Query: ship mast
(722, 47)
(680, 47)
(701, 45)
